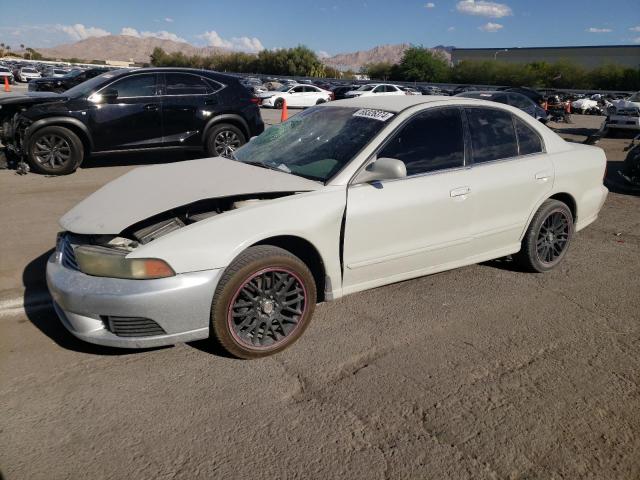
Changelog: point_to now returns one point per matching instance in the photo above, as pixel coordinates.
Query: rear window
(493, 136)
(528, 140)
(184, 84)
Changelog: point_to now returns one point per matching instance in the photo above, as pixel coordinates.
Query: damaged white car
(341, 198)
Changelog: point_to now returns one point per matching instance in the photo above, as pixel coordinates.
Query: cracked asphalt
(483, 372)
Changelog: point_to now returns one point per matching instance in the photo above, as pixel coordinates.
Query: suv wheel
(55, 151)
(223, 140)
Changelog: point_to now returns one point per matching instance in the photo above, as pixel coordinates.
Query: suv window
(528, 140)
(519, 101)
(136, 86)
(492, 134)
(430, 141)
(182, 84)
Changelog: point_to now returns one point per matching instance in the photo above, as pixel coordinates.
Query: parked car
(61, 84)
(296, 96)
(127, 110)
(26, 74)
(5, 72)
(375, 90)
(510, 98)
(624, 114)
(533, 94)
(410, 91)
(341, 198)
(339, 92)
(429, 90)
(54, 72)
(631, 166)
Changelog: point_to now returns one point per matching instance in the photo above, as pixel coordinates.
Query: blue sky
(327, 26)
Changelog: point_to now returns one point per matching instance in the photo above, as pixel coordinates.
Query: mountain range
(129, 48)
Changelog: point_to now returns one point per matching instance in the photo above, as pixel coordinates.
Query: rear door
(511, 174)
(188, 100)
(296, 96)
(131, 121)
(401, 228)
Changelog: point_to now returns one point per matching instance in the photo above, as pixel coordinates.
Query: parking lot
(480, 372)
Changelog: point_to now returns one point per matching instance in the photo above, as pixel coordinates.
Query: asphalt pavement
(480, 372)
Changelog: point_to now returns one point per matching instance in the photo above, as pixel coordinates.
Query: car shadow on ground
(40, 312)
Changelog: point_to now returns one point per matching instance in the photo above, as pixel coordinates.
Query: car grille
(133, 326)
(627, 112)
(68, 258)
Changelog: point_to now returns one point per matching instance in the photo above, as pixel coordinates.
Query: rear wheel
(263, 303)
(55, 151)
(223, 140)
(547, 239)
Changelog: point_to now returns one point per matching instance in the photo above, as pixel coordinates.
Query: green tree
(378, 71)
(420, 64)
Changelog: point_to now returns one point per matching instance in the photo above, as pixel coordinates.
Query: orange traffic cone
(285, 114)
(7, 88)
(567, 107)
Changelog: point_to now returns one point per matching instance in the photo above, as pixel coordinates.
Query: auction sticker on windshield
(374, 114)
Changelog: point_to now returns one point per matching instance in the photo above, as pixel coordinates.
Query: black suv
(60, 84)
(124, 110)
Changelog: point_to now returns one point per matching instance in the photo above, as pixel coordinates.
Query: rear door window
(493, 136)
(528, 140)
(430, 141)
(182, 84)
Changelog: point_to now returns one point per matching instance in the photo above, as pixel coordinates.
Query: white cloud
(79, 32)
(168, 19)
(491, 27)
(636, 40)
(245, 44)
(484, 9)
(635, 29)
(430, 5)
(323, 54)
(598, 30)
(162, 34)
(451, 29)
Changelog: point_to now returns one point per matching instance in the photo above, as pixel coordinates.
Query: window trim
(473, 163)
(374, 156)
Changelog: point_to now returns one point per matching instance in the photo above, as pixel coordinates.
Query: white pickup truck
(625, 114)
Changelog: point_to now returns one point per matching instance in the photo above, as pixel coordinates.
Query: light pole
(495, 55)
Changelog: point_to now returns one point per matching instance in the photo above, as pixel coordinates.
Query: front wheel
(263, 303)
(279, 103)
(55, 151)
(547, 239)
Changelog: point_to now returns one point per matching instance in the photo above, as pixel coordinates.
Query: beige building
(589, 57)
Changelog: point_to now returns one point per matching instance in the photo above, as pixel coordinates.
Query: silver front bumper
(180, 305)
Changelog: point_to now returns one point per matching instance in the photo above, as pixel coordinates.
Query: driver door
(403, 228)
(133, 119)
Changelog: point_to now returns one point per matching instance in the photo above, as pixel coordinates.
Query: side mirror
(106, 96)
(382, 169)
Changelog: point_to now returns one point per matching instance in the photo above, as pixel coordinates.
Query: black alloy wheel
(55, 151)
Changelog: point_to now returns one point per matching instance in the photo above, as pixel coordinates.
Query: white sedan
(375, 90)
(295, 96)
(343, 197)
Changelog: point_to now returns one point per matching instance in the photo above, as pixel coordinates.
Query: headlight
(108, 262)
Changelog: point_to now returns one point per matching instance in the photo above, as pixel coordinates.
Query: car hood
(625, 104)
(148, 191)
(32, 98)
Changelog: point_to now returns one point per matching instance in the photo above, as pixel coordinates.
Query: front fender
(61, 121)
(213, 243)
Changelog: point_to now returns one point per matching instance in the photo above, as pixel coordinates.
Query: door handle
(543, 176)
(152, 107)
(460, 191)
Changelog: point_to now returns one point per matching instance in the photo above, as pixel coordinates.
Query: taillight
(255, 100)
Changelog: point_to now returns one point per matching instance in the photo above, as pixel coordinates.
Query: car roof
(391, 103)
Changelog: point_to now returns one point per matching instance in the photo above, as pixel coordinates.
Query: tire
(238, 300)
(224, 139)
(55, 151)
(321, 101)
(279, 103)
(548, 237)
